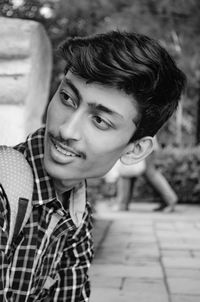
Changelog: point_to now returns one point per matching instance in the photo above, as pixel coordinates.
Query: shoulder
(34, 139)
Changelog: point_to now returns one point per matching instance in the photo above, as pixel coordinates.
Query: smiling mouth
(63, 149)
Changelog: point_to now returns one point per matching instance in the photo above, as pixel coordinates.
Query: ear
(137, 151)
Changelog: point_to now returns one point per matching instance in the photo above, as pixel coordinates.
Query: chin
(58, 173)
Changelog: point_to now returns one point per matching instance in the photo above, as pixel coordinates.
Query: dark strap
(23, 203)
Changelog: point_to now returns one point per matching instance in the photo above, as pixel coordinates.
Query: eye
(101, 123)
(67, 100)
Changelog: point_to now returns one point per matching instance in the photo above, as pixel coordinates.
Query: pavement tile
(104, 294)
(139, 286)
(114, 260)
(177, 234)
(149, 238)
(179, 245)
(184, 286)
(185, 225)
(143, 262)
(106, 282)
(142, 230)
(176, 253)
(197, 225)
(167, 226)
(172, 241)
(143, 256)
(142, 251)
(186, 298)
(188, 234)
(180, 273)
(115, 245)
(110, 250)
(167, 234)
(109, 295)
(196, 253)
(144, 245)
(122, 271)
(110, 258)
(134, 256)
(193, 241)
(122, 233)
(183, 262)
(100, 228)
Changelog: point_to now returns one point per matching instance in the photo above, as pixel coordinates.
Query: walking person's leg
(162, 187)
(125, 191)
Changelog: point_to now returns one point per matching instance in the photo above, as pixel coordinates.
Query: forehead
(93, 93)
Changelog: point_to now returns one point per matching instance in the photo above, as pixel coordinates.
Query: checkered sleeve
(73, 282)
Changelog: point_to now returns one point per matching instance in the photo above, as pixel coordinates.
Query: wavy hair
(134, 63)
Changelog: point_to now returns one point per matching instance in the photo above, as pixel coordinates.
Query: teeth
(61, 150)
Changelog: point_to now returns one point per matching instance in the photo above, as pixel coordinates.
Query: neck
(64, 186)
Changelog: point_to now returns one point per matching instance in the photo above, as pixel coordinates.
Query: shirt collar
(43, 191)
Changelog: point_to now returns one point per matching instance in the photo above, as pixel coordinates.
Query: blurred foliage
(181, 169)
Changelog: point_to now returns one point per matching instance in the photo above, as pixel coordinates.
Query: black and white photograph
(99, 151)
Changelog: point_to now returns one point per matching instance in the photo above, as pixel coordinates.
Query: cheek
(108, 143)
(54, 113)
(105, 150)
(101, 162)
(51, 112)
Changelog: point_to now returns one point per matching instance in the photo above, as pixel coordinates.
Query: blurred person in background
(126, 176)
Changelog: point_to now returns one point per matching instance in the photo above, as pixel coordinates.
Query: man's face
(88, 128)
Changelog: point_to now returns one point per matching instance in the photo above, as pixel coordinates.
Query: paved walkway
(143, 256)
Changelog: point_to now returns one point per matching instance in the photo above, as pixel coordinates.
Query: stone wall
(25, 72)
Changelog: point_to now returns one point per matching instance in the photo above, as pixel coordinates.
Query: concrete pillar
(25, 72)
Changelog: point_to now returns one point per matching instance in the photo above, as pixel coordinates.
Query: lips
(63, 149)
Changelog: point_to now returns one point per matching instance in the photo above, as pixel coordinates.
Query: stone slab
(184, 286)
(148, 286)
(185, 298)
(176, 253)
(183, 262)
(182, 273)
(25, 73)
(121, 271)
(167, 245)
(106, 282)
(109, 295)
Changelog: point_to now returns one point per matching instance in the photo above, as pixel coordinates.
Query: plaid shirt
(38, 267)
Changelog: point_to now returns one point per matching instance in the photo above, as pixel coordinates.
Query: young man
(118, 90)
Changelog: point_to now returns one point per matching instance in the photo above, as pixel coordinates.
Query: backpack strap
(22, 207)
(16, 179)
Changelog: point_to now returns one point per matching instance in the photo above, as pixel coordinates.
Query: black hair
(134, 63)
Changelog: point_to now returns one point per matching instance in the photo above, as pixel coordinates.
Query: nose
(71, 128)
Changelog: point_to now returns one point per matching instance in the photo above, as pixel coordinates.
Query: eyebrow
(94, 106)
(102, 108)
